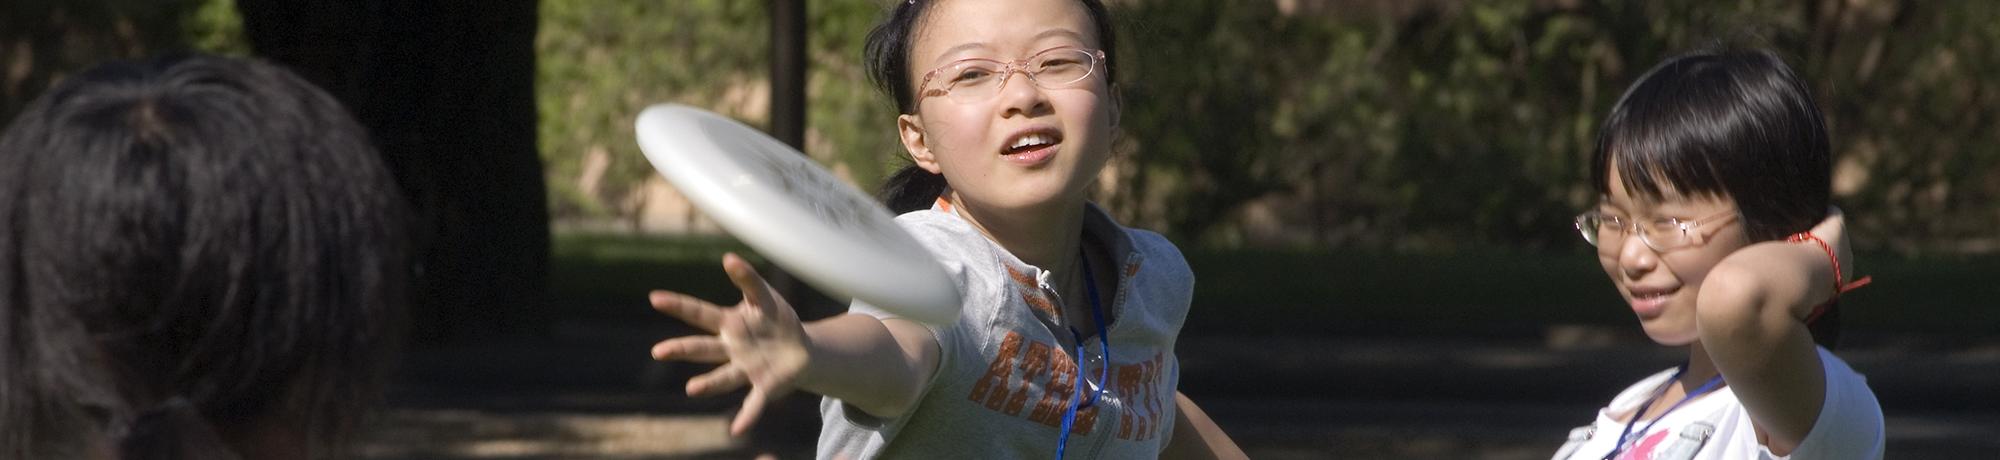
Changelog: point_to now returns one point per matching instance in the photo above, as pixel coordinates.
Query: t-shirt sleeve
(1850, 420)
(946, 247)
(957, 259)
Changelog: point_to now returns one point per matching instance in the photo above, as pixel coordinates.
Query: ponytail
(912, 189)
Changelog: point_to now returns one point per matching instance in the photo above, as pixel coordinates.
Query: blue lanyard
(1712, 384)
(1104, 371)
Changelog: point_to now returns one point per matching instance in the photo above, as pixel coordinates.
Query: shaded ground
(590, 392)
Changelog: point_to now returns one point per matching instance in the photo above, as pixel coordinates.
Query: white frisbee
(778, 201)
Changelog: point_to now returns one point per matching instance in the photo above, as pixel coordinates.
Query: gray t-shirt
(1006, 373)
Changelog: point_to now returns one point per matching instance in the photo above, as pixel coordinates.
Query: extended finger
(700, 349)
(723, 379)
(756, 291)
(697, 312)
(753, 405)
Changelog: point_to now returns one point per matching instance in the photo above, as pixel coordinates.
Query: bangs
(1720, 124)
(1663, 138)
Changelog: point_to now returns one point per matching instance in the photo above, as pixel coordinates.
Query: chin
(1668, 334)
(1039, 197)
(1022, 204)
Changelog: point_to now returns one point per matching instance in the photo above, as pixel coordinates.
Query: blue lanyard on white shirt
(1104, 371)
(1712, 384)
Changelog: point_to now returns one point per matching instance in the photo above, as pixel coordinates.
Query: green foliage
(1412, 126)
(848, 121)
(601, 62)
(604, 61)
(1442, 126)
(214, 26)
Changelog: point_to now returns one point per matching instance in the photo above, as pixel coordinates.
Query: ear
(911, 128)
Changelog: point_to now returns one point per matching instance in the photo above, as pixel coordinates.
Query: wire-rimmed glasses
(1663, 234)
(978, 79)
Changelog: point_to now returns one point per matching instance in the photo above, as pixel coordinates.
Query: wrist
(808, 357)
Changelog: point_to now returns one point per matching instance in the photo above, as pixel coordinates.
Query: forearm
(875, 365)
(1196, 436)
(1777, 279)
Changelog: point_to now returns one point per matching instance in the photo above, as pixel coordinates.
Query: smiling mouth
(1650, 303)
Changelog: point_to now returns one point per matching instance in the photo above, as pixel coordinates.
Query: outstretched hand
(758, 342)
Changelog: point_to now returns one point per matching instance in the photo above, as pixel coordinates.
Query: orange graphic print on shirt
(1031, 292)
(1026, 370)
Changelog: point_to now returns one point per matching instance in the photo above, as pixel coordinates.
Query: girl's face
(1661, 285)
(1024, 147)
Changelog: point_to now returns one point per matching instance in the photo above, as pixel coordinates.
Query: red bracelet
(1839, 287)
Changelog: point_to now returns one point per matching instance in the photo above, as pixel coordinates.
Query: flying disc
(790, 209)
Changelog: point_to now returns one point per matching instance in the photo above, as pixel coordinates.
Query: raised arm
(1751, 319)
(875, 365)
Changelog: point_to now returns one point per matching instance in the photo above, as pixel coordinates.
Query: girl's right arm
(878, 366)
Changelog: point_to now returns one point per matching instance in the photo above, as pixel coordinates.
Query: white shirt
(1716, 427)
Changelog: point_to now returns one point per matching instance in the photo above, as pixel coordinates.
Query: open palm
(758, 342)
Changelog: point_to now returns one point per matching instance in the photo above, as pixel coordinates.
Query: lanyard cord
(1104, 371)
(1712, 384)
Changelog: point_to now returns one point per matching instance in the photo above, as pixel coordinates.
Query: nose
(1635, 258)
(1021, 97)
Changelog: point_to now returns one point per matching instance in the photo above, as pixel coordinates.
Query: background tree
(447, 89)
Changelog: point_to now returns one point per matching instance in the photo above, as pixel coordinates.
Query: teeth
(1031, 139)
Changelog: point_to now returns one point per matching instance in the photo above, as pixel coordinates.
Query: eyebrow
(1043, 35)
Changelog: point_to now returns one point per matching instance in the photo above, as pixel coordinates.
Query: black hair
(887, 59)
(191, 248)
(1725, 123)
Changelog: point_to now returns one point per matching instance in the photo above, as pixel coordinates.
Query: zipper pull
(1042, 279)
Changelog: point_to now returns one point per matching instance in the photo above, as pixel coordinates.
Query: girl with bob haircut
(200, 257)
(1066, 341)
(1713, 222)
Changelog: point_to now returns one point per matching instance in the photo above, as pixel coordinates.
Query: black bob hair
(1725, 123)
(192, 248)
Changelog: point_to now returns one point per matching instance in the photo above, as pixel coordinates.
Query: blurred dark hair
(887, 59)
(192, 248)
(1725, 123)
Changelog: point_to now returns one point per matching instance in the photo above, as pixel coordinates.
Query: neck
(1049, 238)
(1699, 368)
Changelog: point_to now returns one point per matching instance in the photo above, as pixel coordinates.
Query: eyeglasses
(977, 79)
(1666, 234)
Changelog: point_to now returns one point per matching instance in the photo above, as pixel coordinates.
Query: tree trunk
(446, 87)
